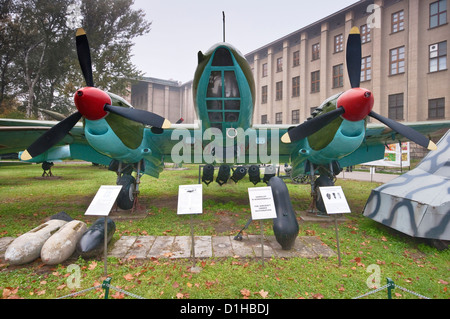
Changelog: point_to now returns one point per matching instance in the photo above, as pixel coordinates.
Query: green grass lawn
(26, 200)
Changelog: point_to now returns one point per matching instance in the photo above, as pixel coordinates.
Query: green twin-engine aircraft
(130, 140)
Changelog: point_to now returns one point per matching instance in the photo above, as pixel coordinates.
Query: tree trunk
(28, 74)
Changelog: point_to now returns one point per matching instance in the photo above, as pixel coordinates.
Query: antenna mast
(223, 14)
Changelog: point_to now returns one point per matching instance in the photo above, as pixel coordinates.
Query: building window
(264, 94)
(264, 70)
(296, 59)
(365, 34)
(279, 93)
(438, 56)
(436, 109)
(264, 119)
(397, 61)
(296, 86)
(315, 81)
(279, 64)
(295, 116)
(279, 118)
(438, 13)
(366, 68)
(338, 76)
(398, 21)
(339, 43)
(316, 51)
(396, 106)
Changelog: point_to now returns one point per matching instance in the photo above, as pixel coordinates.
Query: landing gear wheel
(125, 200)
(321, 181)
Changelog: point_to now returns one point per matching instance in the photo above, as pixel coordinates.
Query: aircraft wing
(378, 135)
(16, 135)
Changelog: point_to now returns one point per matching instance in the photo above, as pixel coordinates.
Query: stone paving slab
(146, 247)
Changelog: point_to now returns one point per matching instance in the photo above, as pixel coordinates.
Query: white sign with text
(190, 199)
(104, 200)
(334, 200)
(261, 203)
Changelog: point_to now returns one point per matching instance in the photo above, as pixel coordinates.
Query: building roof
(313, 27)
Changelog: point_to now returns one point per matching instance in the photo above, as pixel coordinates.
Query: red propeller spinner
(90, 102)
(357, 103)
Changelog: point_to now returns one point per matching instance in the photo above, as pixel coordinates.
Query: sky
(181, 28)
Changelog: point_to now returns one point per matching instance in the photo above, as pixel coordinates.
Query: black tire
(322, 180)
(125, 200)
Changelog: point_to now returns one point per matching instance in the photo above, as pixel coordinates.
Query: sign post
(101, 206)
(335, 203)
(262, 207)
(190, 202)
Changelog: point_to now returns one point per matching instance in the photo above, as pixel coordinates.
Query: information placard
(261, 203)
(190, 199)
(104, 200)
(334, 200)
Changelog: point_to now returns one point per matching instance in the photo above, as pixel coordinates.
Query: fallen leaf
(317, 296)
(92, 265)
(245, 293)
(175, 285)
(263, 293)
(180, 295)
(128, 277)
(118, 295)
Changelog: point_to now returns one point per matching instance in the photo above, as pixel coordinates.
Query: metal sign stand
(262, 207)
(262, 241)
(101, 205)
(192, 243)
(337, 238)
(335, 203)
(190, 202)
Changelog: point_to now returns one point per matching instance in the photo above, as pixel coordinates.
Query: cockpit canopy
(224, 88)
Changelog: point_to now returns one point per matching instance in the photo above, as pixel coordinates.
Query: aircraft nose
(90, 102)
(357, 103)
(222, 57)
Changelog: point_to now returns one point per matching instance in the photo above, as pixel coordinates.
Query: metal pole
(193, 243)
(105, 285)
(262, 240)
(337, 239)
(105, 248)
(391, 286)
(223, 14)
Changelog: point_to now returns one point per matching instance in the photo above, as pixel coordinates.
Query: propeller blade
(140, 116)
(354, 57)
(51, 137)
(311, 126)
(84, 56)
(406, 131)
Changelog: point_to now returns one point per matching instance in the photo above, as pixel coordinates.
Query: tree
(43, 26)
(111, 25)
(38, 61)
